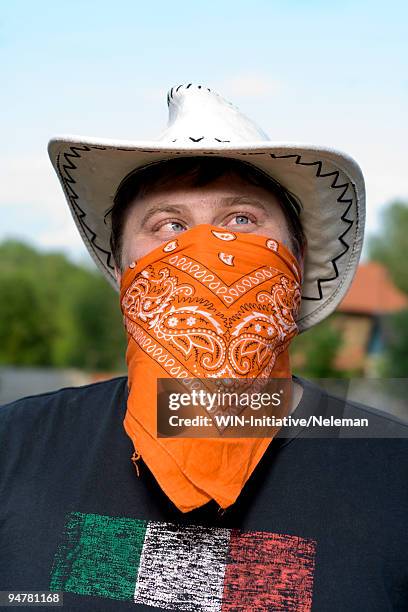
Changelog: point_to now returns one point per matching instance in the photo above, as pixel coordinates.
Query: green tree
(389, 246)
(56, 312)
(26, 327)
(395, 364)
(318, 347)
(97, 336)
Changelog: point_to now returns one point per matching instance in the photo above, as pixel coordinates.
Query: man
(224, 246)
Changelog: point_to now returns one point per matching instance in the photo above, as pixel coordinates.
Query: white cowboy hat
(328, 183)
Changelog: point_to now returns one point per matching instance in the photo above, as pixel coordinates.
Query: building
(363, 315)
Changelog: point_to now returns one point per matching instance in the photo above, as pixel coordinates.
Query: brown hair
(200, 171)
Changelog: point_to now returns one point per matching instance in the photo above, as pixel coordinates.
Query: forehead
(220, 191)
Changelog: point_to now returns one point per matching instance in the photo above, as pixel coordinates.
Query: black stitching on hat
(67, 182)
(194, 140)
(341, 200)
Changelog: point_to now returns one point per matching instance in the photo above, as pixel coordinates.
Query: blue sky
(329, 73)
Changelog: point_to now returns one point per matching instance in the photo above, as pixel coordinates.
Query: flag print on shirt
(184, 567)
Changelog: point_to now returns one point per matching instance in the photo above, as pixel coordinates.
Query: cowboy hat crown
(197, 113)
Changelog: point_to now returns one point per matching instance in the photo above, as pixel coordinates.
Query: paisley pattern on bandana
(208, 304)
(165, 302)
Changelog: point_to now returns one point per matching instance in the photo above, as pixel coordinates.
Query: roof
(373, 292)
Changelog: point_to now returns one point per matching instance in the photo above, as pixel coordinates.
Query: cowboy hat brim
(328, 183)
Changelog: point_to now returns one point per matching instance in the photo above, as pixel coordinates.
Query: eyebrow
(248, 200)
(179, 209)
(160, 208)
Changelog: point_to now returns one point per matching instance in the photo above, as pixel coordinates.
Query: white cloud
(30, 179)
(64, 236)
(33, 205)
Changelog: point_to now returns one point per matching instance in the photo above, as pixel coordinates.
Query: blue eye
(241, 219)
(176, 227)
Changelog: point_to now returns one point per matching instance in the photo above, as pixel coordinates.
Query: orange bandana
(209, 304)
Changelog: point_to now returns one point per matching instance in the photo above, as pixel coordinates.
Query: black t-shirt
(321, 524)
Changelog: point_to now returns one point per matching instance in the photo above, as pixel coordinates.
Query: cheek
(276, 228)
(135, 247)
